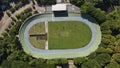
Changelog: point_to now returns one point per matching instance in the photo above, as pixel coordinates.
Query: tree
(102, 59)
(112, 65)
(1, 53)
(46, 2)
(4, 1)
(96, 13)
(117, 46)
(91, 64)
(77, 2)
(104, 50)
(116, 57)
(20, 64)
(6, 64)
(80, 60)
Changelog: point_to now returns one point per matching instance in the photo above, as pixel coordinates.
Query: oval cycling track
(52, 54)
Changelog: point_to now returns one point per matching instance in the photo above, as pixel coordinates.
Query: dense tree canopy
(46, 2)
(106, 56)
(91, 64)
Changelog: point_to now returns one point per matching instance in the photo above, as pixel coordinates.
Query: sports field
(68, 34)
(62, 35)
(62, 53)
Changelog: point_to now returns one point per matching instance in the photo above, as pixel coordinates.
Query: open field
(37, 43)
(68, 34)
(37, 29)
(62, 35)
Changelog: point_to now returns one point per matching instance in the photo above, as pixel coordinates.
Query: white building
(59, 7)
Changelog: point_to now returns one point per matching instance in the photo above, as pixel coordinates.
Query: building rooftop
(59, 7)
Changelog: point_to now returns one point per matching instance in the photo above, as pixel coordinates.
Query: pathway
(46, 30)
(40, 9)
(6, 20)
(71, 63)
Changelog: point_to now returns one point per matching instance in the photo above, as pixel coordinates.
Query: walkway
(6, 20)
(40, 9)
(46, 30)
(71, 63)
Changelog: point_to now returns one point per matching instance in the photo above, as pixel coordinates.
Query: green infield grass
(68, 35)
(34, 30)
(37, 28)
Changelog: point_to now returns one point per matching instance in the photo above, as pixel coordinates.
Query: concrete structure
(62, 7)
(71, 63)
(59, 7)
(73, 8)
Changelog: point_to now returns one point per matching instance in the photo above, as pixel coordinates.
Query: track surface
(51, 54)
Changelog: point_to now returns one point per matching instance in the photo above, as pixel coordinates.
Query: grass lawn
(37, 43)
(68, 34)
(37, 29)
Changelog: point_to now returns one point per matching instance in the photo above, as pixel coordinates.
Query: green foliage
(80, 60)
(112, 65)
(6, 64)
(50, 62)
(118, 36)
(117, 43)
(116, 57)
(62, 61)
(44, 66)
(46, 2)
(92, 55)
(77, 2)
(8, 13)
(68, 31)
(15, 64)
(57, 61)
(102, 59)
(13, 19)
(108, 39)
(20, 64)
(97, 13)
(35, 12)
(91, 64)
(104, 50)
(114, 14)
(10, 47)
(1, 53)
(4, 1)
